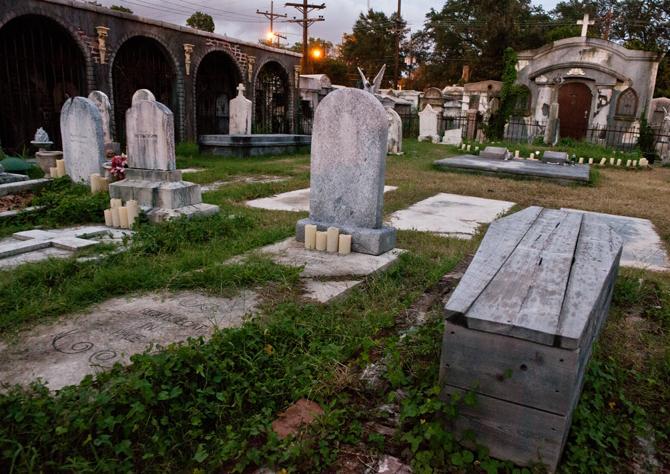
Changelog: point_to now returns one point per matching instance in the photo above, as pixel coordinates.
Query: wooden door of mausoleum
(574, 109)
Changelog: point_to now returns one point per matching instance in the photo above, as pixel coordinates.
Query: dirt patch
(301, 413)
(15, 202)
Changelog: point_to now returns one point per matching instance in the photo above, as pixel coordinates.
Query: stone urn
(47, 159)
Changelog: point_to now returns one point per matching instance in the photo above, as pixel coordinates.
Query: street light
(317, 53)
(270, 36)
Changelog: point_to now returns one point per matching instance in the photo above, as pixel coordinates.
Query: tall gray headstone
(349, 144)
(395, 132)
(101, 101)
(428, 125)
(240, 113)
(150, 136)
(83, 139)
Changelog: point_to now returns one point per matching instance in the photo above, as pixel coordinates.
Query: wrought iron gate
(272, 100)
(40, 67)
(215, 87)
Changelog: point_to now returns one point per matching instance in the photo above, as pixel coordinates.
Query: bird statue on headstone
(373, 88)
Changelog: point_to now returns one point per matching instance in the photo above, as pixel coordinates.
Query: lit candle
(345, 244)
(60, 165)
(333, 235)
(321, 241)
(618, 162)
(310, 237)
(115, 203)
(108, 218)
(116, 219)
(123, 217)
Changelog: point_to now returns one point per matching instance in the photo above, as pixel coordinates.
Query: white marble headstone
(240, 113)
(395, 132)
(101, 101)
(83, 139)
(150, 136)
(428, 124)
(143, 94)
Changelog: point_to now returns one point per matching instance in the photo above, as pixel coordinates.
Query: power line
(271, 15)
(306, 8)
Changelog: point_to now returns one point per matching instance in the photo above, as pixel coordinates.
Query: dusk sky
(237, 18)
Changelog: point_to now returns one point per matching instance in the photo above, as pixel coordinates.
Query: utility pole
(396, 72)
(271, 15)
(306, 8)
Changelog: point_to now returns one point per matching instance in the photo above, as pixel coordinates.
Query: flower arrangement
(118, 167)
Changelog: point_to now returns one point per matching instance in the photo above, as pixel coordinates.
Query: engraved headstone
(240, 113)
(395, 132)
(349, 144)
(83, 139)
(557, 157)
(495, 152)
(428, 125)
(453, 137)
(150, 136)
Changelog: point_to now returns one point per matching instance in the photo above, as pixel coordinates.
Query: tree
(201, 21)
(371, 44)
(119, 8)
(325, 46)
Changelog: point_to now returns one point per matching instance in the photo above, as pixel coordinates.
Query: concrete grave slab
(517, 167)
(63, 353)
(642, 246)
(324, 291)
(242, 180)
(293, 201)
(450, 215)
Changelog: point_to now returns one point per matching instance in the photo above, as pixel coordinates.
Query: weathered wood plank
(502, 238)
(525, 297)
(520, 434)
(593, 273)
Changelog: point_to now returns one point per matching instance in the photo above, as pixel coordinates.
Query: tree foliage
(119, 8)
(201, 21)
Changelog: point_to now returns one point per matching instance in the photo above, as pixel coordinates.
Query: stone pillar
(551, 133)
(471, 125)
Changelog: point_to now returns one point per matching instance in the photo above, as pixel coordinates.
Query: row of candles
(120, 216)
(59, 170)
(329, 241)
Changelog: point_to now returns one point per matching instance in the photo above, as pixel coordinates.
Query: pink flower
(119, 165)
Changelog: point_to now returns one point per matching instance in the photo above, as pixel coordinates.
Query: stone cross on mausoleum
(585, 24)
(241, 89)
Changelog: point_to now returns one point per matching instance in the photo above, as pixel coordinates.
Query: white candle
(468, 147)
(332, 239)
(115, 203)
(532, 156)
(516, 153)
(603, 162)
(60, 165)
(581, 160)
(611, 161)
(53, 172)
(345, 244)
(108, 218)
(628, 163)
(95, 183)
(123, 217)
(310, 237)
(618, 162)
(321, 241)
(133, 212)
(634, 163)
(476, 148)
(590, 161)
(116, 220)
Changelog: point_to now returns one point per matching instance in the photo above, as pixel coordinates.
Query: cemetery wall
(184, 47)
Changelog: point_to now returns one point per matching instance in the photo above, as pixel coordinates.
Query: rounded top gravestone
(150, 136)
(142, 94)
(101, 101)
(348, 163)
(83, 138)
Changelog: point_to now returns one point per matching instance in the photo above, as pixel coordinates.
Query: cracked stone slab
(642, 246)
(449, 215)
(242, 180)
(64, 352)
(292, 201)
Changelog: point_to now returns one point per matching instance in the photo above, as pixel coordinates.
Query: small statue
(41, 136)
(376, 84)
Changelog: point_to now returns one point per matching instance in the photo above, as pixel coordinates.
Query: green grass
(208, 406)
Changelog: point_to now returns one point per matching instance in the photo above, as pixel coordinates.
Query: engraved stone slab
(557, 157)
(240, 113)
(428, 125)
(64, 352)
(495, 152)
(349, 144)
(150, 136)
(83, 139)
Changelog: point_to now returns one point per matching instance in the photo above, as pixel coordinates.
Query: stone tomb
(240, 113)
(556, 157)
(152, 178)
(83, 139)
(495, 153)
(349, 145)
(395, 132)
